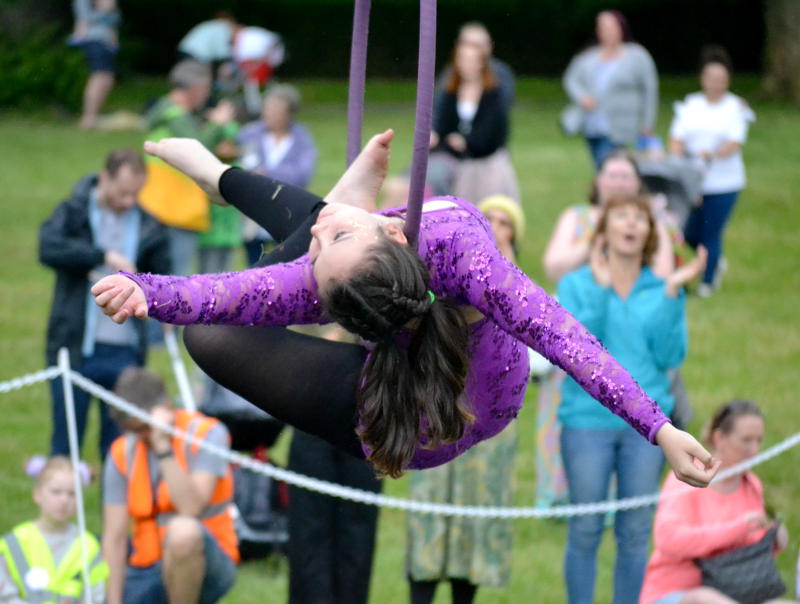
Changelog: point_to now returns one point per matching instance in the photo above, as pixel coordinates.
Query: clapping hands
(688, 272)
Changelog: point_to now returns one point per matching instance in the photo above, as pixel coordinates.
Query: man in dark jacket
(99, 229)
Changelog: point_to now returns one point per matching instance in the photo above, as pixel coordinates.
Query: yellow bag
(174, 198)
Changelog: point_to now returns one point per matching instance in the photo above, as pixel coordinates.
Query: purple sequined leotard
(466, 268)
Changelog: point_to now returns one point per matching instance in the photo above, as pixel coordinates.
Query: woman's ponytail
(409, 394)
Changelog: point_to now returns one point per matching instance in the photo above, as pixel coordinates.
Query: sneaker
(704, 290)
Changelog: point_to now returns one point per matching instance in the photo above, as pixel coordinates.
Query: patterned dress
(475, 549)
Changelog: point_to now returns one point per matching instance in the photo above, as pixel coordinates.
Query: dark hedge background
(536, 36)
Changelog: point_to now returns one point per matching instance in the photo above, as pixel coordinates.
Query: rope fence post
(179, 369)
(75, 458)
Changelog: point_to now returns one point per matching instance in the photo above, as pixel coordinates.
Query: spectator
(210, 41)
(331, 540)
(568, 250)
(570, 243)
(471, 127)
(613, 86)
(98, 230)
(171, 197)
(177, 497)
(257, 52)
(42, 560)
(697, 523)
(278, 147)
(475, 33)
(95, 31)
(217, 246)
(468, 552)
(640, 319)
(711, 127)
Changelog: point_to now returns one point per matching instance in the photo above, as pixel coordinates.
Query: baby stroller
(261, 503)
(678, 179)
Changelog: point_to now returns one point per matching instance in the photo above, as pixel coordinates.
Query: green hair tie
(432, 296)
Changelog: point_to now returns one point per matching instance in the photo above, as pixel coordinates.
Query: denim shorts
(145, 584)
(100, 56)
(673, 597)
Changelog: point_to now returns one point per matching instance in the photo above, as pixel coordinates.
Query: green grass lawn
(745, 341)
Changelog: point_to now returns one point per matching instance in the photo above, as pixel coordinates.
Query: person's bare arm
(115, 548)
(727, 149)
(563, 253)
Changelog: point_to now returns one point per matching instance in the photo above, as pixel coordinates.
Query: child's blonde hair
(57, 463)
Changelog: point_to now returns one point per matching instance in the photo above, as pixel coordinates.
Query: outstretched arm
(501, 291)
(282, 294)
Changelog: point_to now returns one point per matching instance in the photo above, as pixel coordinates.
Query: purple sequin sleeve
(479, 274)
(282, 294)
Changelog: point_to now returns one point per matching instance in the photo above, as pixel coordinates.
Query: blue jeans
(705, 226)
(599, 147)
(145, 584)
(590, 457)
(104, 368)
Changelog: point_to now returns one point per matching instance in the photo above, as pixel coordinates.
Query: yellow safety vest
(33, 569)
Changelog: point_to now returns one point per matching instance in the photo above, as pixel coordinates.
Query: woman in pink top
(698, 523)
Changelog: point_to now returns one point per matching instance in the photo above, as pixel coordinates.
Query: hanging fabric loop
(424, 105)
(358, 71)
(422, 128)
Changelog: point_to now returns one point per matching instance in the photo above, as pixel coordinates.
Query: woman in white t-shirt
(711, 127)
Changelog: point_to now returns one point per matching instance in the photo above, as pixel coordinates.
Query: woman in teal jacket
(640, 318)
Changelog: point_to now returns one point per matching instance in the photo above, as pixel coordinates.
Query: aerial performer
(445, 322)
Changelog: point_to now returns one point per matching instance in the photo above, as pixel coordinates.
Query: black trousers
(331, 540)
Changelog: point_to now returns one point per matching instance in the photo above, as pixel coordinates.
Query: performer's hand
(681, 450)
(193, 159)
(120, 298)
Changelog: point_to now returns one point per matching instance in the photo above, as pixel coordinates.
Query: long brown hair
(489, 80)
(409, 395)
(641, 203)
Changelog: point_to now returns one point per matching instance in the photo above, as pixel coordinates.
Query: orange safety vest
(150, 513)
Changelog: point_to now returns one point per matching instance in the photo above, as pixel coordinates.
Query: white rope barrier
(343, 492)
(30, 379)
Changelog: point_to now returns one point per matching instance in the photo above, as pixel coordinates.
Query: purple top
(466, 268)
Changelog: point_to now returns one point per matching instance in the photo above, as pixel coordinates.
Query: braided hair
(408, 395)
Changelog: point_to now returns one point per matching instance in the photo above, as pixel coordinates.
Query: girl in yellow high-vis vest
(41, 560)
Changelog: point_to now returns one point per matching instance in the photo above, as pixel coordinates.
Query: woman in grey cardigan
(613, 86)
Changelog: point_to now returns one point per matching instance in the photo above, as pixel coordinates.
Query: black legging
(422, 592)
(307, 382)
